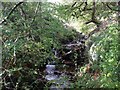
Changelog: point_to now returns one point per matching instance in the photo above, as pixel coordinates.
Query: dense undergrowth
(103, 73)
(31, 34)
(27, 48)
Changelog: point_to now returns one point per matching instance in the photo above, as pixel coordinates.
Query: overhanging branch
(93, 18)
(103, 26)
(12, 10)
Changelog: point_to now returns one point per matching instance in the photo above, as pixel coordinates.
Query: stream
(58, 80)
(60, 76)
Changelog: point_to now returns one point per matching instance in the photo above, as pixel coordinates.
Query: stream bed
(59, 78)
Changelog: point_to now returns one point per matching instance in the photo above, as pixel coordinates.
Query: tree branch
(23, 12)
(36, 10)
(85, 6)
(112, 8)
(93, 13)
(93, 18)
(103, 26)
(10, 12)
(74, 4)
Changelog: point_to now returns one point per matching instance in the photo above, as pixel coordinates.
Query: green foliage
(108, 51)
(108, 64)
(30, 40)
(106, 43)
(28, 44)
(33, 30)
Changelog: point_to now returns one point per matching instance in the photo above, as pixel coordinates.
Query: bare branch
(74, 4)
(12, 10)
(93, 18)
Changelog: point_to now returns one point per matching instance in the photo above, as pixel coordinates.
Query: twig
(85, 6)
(72, 7)
(36, 10)
(74, 4)
(112, 8)
(23, 12)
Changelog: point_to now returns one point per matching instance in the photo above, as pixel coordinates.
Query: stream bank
(62, 73)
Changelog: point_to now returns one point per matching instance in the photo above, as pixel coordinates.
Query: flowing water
(58, 78)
